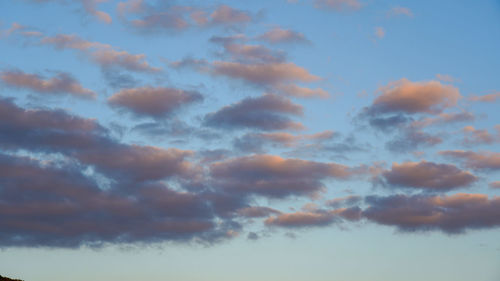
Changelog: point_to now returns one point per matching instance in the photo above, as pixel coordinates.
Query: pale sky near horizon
(353, 140)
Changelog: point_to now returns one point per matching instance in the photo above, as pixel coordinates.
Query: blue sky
(271, 140)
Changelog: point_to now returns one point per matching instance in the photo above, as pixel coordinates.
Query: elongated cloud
(314, 218)
(267, 112)
(486, 98)
(61, 83)
(480, 136)
(301, 92)
(86, 141)
(338, 5)
(495, 184)
(415, 97)
(400, 11)
(280, 35)
(264, 74)
(148, 18)
(256, 212)
(254, 142)
(136, 163)
(273, 176)
(103, 54)
(451, 214)
(225, 14)
(428, 176)
(154, 102)
(90, 7)
(487, 160)
(57, 206)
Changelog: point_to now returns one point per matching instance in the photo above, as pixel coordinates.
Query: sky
(250, 140)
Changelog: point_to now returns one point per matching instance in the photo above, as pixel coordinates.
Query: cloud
(103, 54)
(338, 5)
(137, 163)
(404, 96)
(478, 136)
(444, 119)
(226, 15)
(253, 53)
(273, 176)
(401, 102)
(451, 214)
(90, 7)
(154, 102)
(256, 212)
(486, 98)
(54, 205)
(267, 112)
(344, 201)
(301, 92)
(315, 218)
(263, 74)
(475, 160)
(257, 66)
(447, 78)
(279, 35)
(45, 130)
(61, 83)
(410, 138)
(164, 17)
(53, 131)
(495, 184)
(428, 176)
(379, 32)
(254, 142)
(400, 11)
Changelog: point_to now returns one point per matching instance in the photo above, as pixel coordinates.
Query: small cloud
(379, 32)
(400, 11)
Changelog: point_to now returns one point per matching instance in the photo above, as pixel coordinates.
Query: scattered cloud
(338, 5)
(273, 176)
(486, 160)
(62, 83)
(379, 32)
(451, 214)
(154, 102)
(486, 98)
(400, 11)
(404, 96)
(267, 112)
(279, 35)
(428, 176)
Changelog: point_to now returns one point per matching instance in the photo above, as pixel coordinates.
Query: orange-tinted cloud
(495, 184)
(487, 160)
(103, 54)
(415, 97)
(274, 176)
(154, 102)
(451, 214)
(428, 176)
(486, 98)
(61, 83)
(480, 136)
(267, 112)
(314, 218)
(280, 35)
(266, 74)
